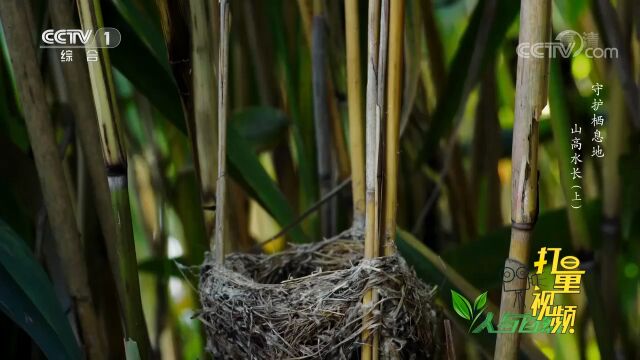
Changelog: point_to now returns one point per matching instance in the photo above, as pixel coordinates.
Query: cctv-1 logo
(78, 38)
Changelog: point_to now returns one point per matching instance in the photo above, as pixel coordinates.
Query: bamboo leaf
(461, 305)
(147, 27)
(28, 298)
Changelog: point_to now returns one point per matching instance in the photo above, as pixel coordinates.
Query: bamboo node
(523, 226)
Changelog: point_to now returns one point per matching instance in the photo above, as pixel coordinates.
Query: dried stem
(57, 199)
(372, 191)
(223, 66)
(356, 133)
(531, 96)
(394, 107)
(205, 106)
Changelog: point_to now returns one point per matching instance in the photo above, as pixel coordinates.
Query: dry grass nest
(306, 303)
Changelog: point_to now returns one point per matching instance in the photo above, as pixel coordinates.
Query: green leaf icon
(480, 302)
(461, 305)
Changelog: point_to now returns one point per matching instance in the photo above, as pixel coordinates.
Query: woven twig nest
(306, 303)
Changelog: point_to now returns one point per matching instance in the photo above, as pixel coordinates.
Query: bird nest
(306, 303)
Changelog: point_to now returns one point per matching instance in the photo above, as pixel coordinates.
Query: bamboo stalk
(337, 132)
(617, 131)
(223, 78)
(338, 139)
(122, 253)
(305, 16)
(372, 197)
(394, 106)
(484, 163)
(531, 96)
(321, 116)
(623, 65)
(204, 107)
(391, 146)
(381, 110)
(356, 133)
(57, 199)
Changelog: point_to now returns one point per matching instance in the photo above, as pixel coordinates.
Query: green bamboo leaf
(147, 27)
(461, 305)
(480, 303)
(28, 298)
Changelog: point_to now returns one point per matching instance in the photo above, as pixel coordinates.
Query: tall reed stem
(531, 98)
(394, 108)
(205, 106)
(122, 254)
(372, 191)
(223, 79)
(617, 131)
(56, 195)
(321, 115)
(356, 133)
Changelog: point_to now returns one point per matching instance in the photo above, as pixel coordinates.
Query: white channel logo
(76, 38)
(568, 43)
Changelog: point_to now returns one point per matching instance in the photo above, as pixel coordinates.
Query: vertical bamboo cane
(371, 239)
(617, 130)
(391, 146)
(321, 115)
(354, 92)
(223, 78)
(122, 255)
(204, 106)
(57, 199)
(531, 96)
(394, 107)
